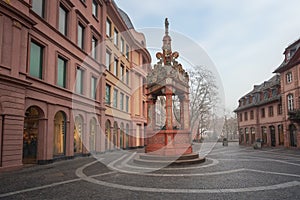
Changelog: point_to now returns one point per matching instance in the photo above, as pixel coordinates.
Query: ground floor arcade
(272, 135)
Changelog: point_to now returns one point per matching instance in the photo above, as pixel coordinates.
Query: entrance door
(30, 135)
(293, 136)
(273, 137)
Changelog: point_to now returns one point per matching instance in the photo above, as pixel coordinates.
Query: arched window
(78, 134)
(59, 140)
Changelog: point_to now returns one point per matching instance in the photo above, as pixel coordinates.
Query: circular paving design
(238, 172)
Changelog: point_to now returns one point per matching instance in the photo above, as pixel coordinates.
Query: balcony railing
(294, 115)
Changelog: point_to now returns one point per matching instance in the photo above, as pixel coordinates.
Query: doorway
(31, 134)
(293, 135)
(273, 137)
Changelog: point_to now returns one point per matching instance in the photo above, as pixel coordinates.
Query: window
(107, 94)
(36, 60)
(247, 100)
(94, 47)
(246, 116)
(266, 95)
(279, 109)
(115, 100)
(122, 72)
(127, 77)
(80, 36)
(251, 114)
(127, 51)
(122, 45)
(122, 101)
(256, 98)
(93, 87)
(127, 104)
(61, 72)
(274, 92)
(38, 6)
(271, 112)
(290, 100)
(63, 20)
(108, 57)
(108, 28)
(116, 37)
(116, 63)
(79, 81)
(95, 8)
(241, 117)
(263, 114)
(289, 77)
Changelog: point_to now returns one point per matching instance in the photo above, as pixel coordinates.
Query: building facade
(260, 114)
(290, 87)
(271, 112)
(61, 94)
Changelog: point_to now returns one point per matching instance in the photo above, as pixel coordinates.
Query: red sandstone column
(184, 112)
(169, 115)
(151, 113)
(181, 99)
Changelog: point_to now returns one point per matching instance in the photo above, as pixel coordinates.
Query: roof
(269, 84)
(292, 50)
(125, 18)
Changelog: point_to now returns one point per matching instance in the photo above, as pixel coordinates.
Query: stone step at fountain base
(160, 161)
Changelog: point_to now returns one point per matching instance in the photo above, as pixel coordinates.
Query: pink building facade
(53, 77)
(274, 106)
(260, 114)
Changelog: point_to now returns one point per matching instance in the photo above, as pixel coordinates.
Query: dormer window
(289, 77)
(266, 95)
(290, 54)
(247, 100)
(274, 92)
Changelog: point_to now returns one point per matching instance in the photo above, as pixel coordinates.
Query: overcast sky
(245, 39)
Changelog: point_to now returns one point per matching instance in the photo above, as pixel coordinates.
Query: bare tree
(230, 127)
(203, 96)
